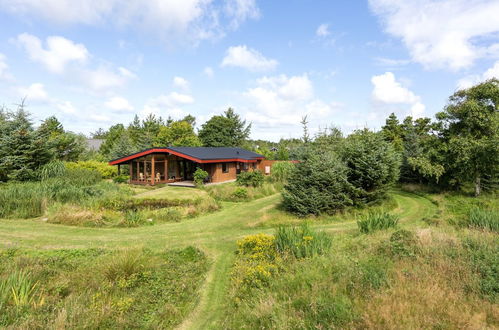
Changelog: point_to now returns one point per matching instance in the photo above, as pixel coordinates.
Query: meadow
(427, 260)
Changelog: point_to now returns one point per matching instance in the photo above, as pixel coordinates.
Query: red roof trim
(197, 160)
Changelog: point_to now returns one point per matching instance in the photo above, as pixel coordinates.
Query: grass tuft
(377, 221)
(479, 218)
(302, 242)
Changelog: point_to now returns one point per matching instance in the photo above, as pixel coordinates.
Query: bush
(281, 171)
(317, 185)
(121, 179)
(377, 221)
(199, 176)
(52, 170)
(240, 193)
(106, 171)
(133, 219)
(482, 219)
(301, 242)
(250, 179)
(373, 165)
(258, 246)
(257, 261)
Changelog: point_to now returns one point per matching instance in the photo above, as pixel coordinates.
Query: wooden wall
(218, 176)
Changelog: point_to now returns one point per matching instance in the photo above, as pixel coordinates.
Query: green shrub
(377, 221)
(106, 171)
(121, 179)
(317, 185)
(52, 170)
(482, 219)
(240, 193)
(373, 165)
(281, 171)
(250, 178)
(199, 176)
(132, 219)
(301, 242)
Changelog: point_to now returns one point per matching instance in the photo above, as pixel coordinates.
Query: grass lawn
(216, 233)
(172, 192)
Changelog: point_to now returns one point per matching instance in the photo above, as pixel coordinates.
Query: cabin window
(225, 168)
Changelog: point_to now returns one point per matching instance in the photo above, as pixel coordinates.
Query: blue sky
(347, 64)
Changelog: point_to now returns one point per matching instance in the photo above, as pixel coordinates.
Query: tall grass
(31, 199)
(18, 290)
(377, 221)
(99, 289)
(482, 219)
(302, 242)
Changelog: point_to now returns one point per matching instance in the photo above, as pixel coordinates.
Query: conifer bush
(318, 185)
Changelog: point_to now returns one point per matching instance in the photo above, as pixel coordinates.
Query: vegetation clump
(318, 185)
(281, 171)
(95, 288)
(302, 242)
(253, 178)
(377, 221)
(200, 176)
(480, 218)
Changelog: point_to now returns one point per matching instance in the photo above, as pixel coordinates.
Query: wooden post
(130, 165)
(138, 171)
(153, 170)
(119, 169)
(166, 168)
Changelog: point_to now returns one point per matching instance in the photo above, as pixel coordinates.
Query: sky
(344, 64)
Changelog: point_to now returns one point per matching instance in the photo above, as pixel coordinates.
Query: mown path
(214, 233)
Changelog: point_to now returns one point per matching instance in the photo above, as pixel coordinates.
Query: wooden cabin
(174, 164)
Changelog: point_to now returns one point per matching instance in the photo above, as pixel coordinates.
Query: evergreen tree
(22, 149)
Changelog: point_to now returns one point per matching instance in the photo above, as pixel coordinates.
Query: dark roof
(198, 154)
(206, 153)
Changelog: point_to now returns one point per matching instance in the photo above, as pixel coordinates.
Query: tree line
(457, 148)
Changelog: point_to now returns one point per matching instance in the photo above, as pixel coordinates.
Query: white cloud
(387, 90)
(34, 93)
(181, 83)
(66, 107)
(241, 10)
(66, 58)
(58, 53)
(182, 19)
(323, 30)
(168, 105)
(208, 71)
(4, 68)
(443, 34)
(103, 78)
(471, 80)
(282, 100)
(119, 104)
(389, 62)
(247, 58)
